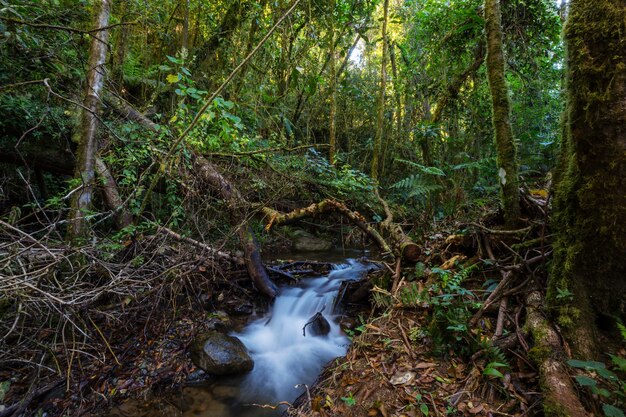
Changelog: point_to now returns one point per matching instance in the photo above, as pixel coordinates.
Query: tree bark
(88, 146)
(380, 117)
(559, 394)
(404, 247)
(333, 86)
(453, 89)
(112, 198)
(590, 197)
(505, 143)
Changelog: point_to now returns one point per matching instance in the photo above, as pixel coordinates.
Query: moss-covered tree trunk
(88, 146)
(380, 117)
(588, 282)
(505, 143)
(333, 87)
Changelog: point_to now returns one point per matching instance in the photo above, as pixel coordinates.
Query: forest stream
(288, 348)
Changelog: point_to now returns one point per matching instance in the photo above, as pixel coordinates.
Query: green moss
(554, 409)
(590, 197)
(538, 354)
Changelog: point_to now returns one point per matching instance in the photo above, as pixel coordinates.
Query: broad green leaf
(585, 381)
(602, 392)
(424, 409)
(592, 365)
(619, 362)
(605, 373)
(493, 372)
(610, 411)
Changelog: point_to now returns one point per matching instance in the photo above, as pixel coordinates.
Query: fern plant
(420, 186)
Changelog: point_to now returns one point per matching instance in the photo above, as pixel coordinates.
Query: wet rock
(219, 321)
(356, 292)
(317, 325)
(347, 323)
(220, 354)
(304, 241)
(240, 308)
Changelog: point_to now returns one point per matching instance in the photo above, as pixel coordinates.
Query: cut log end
(411, 252)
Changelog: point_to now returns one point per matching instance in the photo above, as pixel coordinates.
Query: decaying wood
(275, 218)
(559, 393)
(403, 246)
(211, 176)
(211, 250)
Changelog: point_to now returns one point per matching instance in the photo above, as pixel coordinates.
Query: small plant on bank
(604, 383)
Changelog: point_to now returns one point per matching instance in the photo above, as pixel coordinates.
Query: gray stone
(220, 354)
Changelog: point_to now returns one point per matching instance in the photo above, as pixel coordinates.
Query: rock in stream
(220, 354)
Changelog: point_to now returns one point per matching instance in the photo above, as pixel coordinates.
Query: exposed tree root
(560, 398)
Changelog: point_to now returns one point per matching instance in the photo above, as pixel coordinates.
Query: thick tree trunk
(590, 198)
(333, 87)
(559, 394)
(380, 117)
(88, 146)
(505, 143)
(396, 91)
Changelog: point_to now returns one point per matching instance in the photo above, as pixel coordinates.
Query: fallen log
(403, 246)
(276, 218)
(209, 173)
(212, 251)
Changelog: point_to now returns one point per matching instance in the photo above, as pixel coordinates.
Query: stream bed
(287, 355)
(286, 358)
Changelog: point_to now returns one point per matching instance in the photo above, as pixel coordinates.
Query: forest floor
(422, 347)
(401, 363)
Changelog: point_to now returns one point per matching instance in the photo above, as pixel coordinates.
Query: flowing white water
(283, 356)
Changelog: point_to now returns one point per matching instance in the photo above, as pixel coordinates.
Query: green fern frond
(423, 169)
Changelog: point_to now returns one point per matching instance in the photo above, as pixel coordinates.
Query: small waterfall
(283, 356)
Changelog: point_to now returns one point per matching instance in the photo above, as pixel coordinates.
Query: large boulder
(220, 354)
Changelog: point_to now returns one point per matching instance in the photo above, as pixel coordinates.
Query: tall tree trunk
(185, 40)
(333, 86)
(88, 145)
(590, 198)
(505, 143)
(396, 90)
(380, 119)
